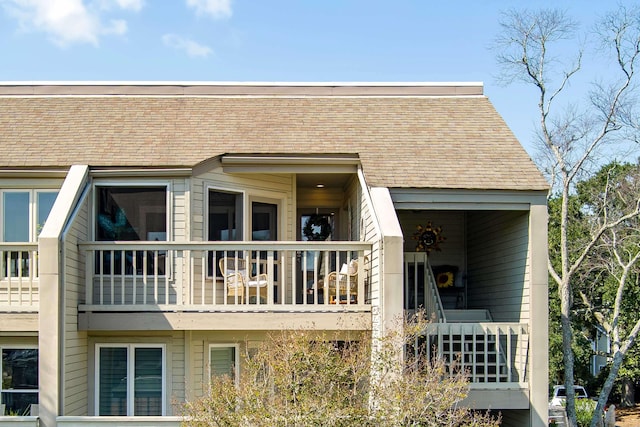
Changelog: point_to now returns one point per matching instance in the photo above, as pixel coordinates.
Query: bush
(307, 378)
(584, 411)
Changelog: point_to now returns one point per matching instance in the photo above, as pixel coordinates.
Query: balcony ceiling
(329, 180)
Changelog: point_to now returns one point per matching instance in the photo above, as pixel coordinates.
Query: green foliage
(307, 378)
(584, 411)
(613, 189)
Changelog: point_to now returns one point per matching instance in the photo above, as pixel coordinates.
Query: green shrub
(584, 411)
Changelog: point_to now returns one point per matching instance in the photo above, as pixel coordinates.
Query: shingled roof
(406, 135)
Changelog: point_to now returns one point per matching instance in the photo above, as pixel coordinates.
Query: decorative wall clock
(428, 237)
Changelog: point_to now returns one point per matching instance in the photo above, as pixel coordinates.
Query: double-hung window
(130, 379)
(19, 387)
(23, 214)
(130, 213)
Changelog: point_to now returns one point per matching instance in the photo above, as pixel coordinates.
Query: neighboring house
(188, 220)
(601, 348)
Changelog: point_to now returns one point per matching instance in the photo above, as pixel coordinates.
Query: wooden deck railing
(18, 276)
(231, 275)
(493, 354)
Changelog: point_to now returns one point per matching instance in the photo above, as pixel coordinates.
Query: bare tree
(573, 138)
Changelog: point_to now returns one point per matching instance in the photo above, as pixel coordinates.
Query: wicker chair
(237, 279)
(343, 283)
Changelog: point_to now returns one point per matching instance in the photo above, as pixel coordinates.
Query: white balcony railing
(227, 275)
(493, 354)
(18, 276)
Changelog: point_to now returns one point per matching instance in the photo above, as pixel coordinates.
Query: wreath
(428, 237)
(317, 228)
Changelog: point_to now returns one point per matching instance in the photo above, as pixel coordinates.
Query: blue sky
(270, 40)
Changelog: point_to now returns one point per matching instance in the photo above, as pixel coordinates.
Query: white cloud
(134, 5)
(68, 21)
(217, 9)
(192, 48)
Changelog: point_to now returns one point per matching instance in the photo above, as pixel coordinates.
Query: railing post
(88, 275)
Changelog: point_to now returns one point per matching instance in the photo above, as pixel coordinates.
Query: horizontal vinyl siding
(75, 342)
(179, 209)
(498, 264)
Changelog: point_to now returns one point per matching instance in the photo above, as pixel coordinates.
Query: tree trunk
(564, 290)
(606, 388)
(628, 398)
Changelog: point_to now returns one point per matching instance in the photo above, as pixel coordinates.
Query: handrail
(228, 245)
(432, 303)
(277, 273)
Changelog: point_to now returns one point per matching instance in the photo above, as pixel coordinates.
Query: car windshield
(580, 392)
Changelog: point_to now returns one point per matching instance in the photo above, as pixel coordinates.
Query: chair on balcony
(237, 278)
(343, 285)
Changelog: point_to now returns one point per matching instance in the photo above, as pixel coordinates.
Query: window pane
(148, 381)
(132, 213)
(225, 222)
(45, 203)
(19, 380)
(222, 361)
(264, 221)
(16, 217)
(225, 216)
(18, 403)
(113, 381)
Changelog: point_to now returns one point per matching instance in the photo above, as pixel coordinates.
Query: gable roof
(406, 135)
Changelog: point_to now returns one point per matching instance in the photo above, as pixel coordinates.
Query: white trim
(232, 83)
(236, 347)
(131, 347)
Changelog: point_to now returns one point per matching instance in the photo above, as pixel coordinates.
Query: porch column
(51, 315)
(391, 267)
(538, 323)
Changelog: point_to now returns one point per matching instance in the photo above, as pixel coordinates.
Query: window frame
(130, 374)
(236, 368)
(19, 347)
(33, 209)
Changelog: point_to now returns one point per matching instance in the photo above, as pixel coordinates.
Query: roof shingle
(402, 141)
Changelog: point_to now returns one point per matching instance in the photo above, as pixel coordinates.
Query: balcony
(19, 277)
(227, 276)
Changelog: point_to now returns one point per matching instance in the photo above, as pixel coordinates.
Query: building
(151, 231)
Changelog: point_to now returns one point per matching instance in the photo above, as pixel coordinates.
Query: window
(225, 222)
(23, 214)
(131, 213)
(223, 360)
(225, 216)
(130, 379)
(19, 388)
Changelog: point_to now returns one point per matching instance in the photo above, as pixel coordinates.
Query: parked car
(560, 394)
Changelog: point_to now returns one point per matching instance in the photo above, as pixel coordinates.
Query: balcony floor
(338, 319)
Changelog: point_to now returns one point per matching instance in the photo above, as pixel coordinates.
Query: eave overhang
(313, 163)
